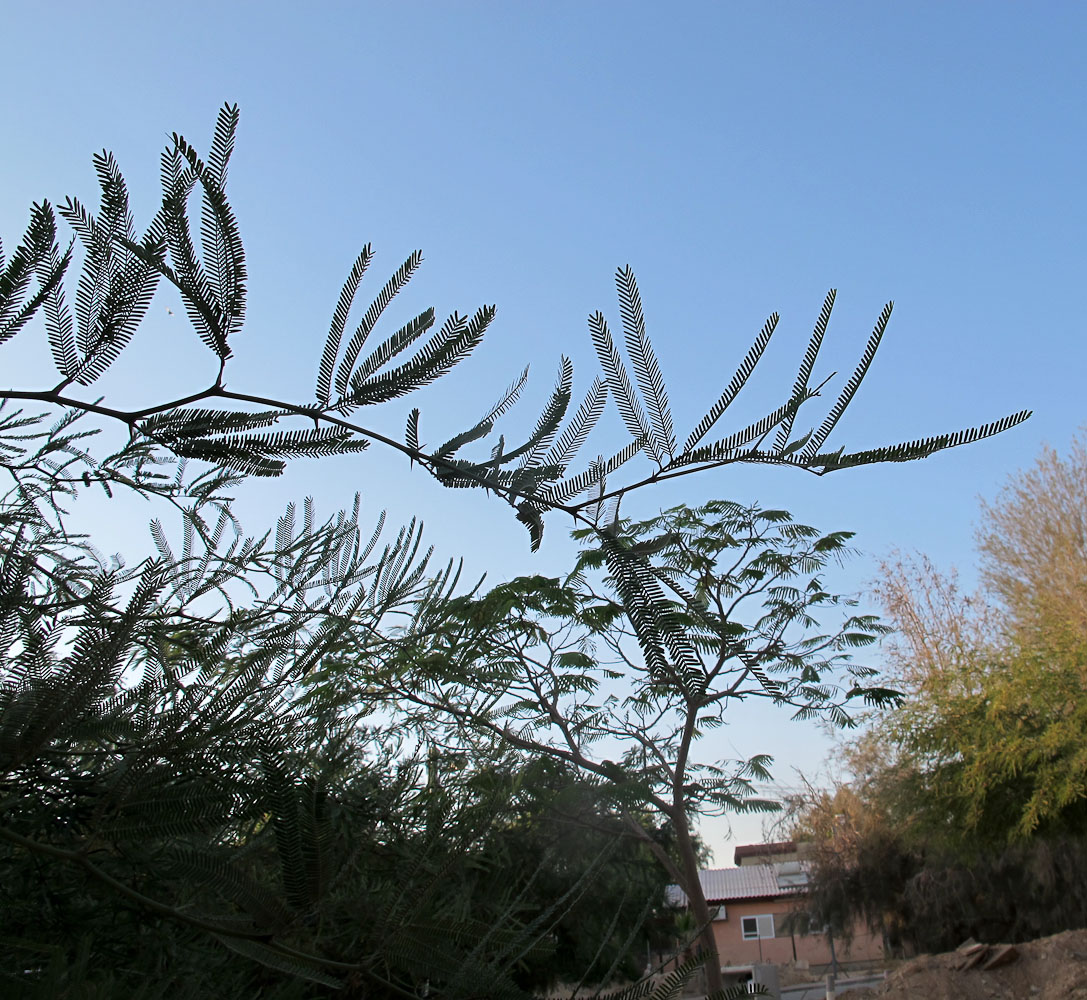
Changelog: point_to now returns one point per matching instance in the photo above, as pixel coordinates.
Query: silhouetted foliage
(196, 798)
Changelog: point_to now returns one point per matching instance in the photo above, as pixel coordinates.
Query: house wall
(783, 947)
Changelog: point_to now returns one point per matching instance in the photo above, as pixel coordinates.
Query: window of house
(761, 926)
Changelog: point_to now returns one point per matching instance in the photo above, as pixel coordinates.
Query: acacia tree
(621, 678)
(114, 694)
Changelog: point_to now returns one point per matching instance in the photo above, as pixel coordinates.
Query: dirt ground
(1052, 968)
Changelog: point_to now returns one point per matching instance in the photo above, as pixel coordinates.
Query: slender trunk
(697, 900)
(711, 961)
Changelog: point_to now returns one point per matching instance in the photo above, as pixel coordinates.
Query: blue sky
(742, 158)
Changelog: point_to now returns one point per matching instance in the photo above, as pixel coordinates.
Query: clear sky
(741, 157)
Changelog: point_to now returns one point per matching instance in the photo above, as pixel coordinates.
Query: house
(754, 907)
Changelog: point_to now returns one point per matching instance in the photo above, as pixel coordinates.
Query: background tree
(980, 775)
(989, 743)
(1033, 546)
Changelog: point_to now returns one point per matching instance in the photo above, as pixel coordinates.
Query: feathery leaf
(851, 387)
(912, 450)
(747, 366)
(327, 367)
(573, 437)
(399, 279)
(800, 388)
(619, 383)
(644, 361)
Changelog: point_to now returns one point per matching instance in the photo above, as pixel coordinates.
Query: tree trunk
(697, 899)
